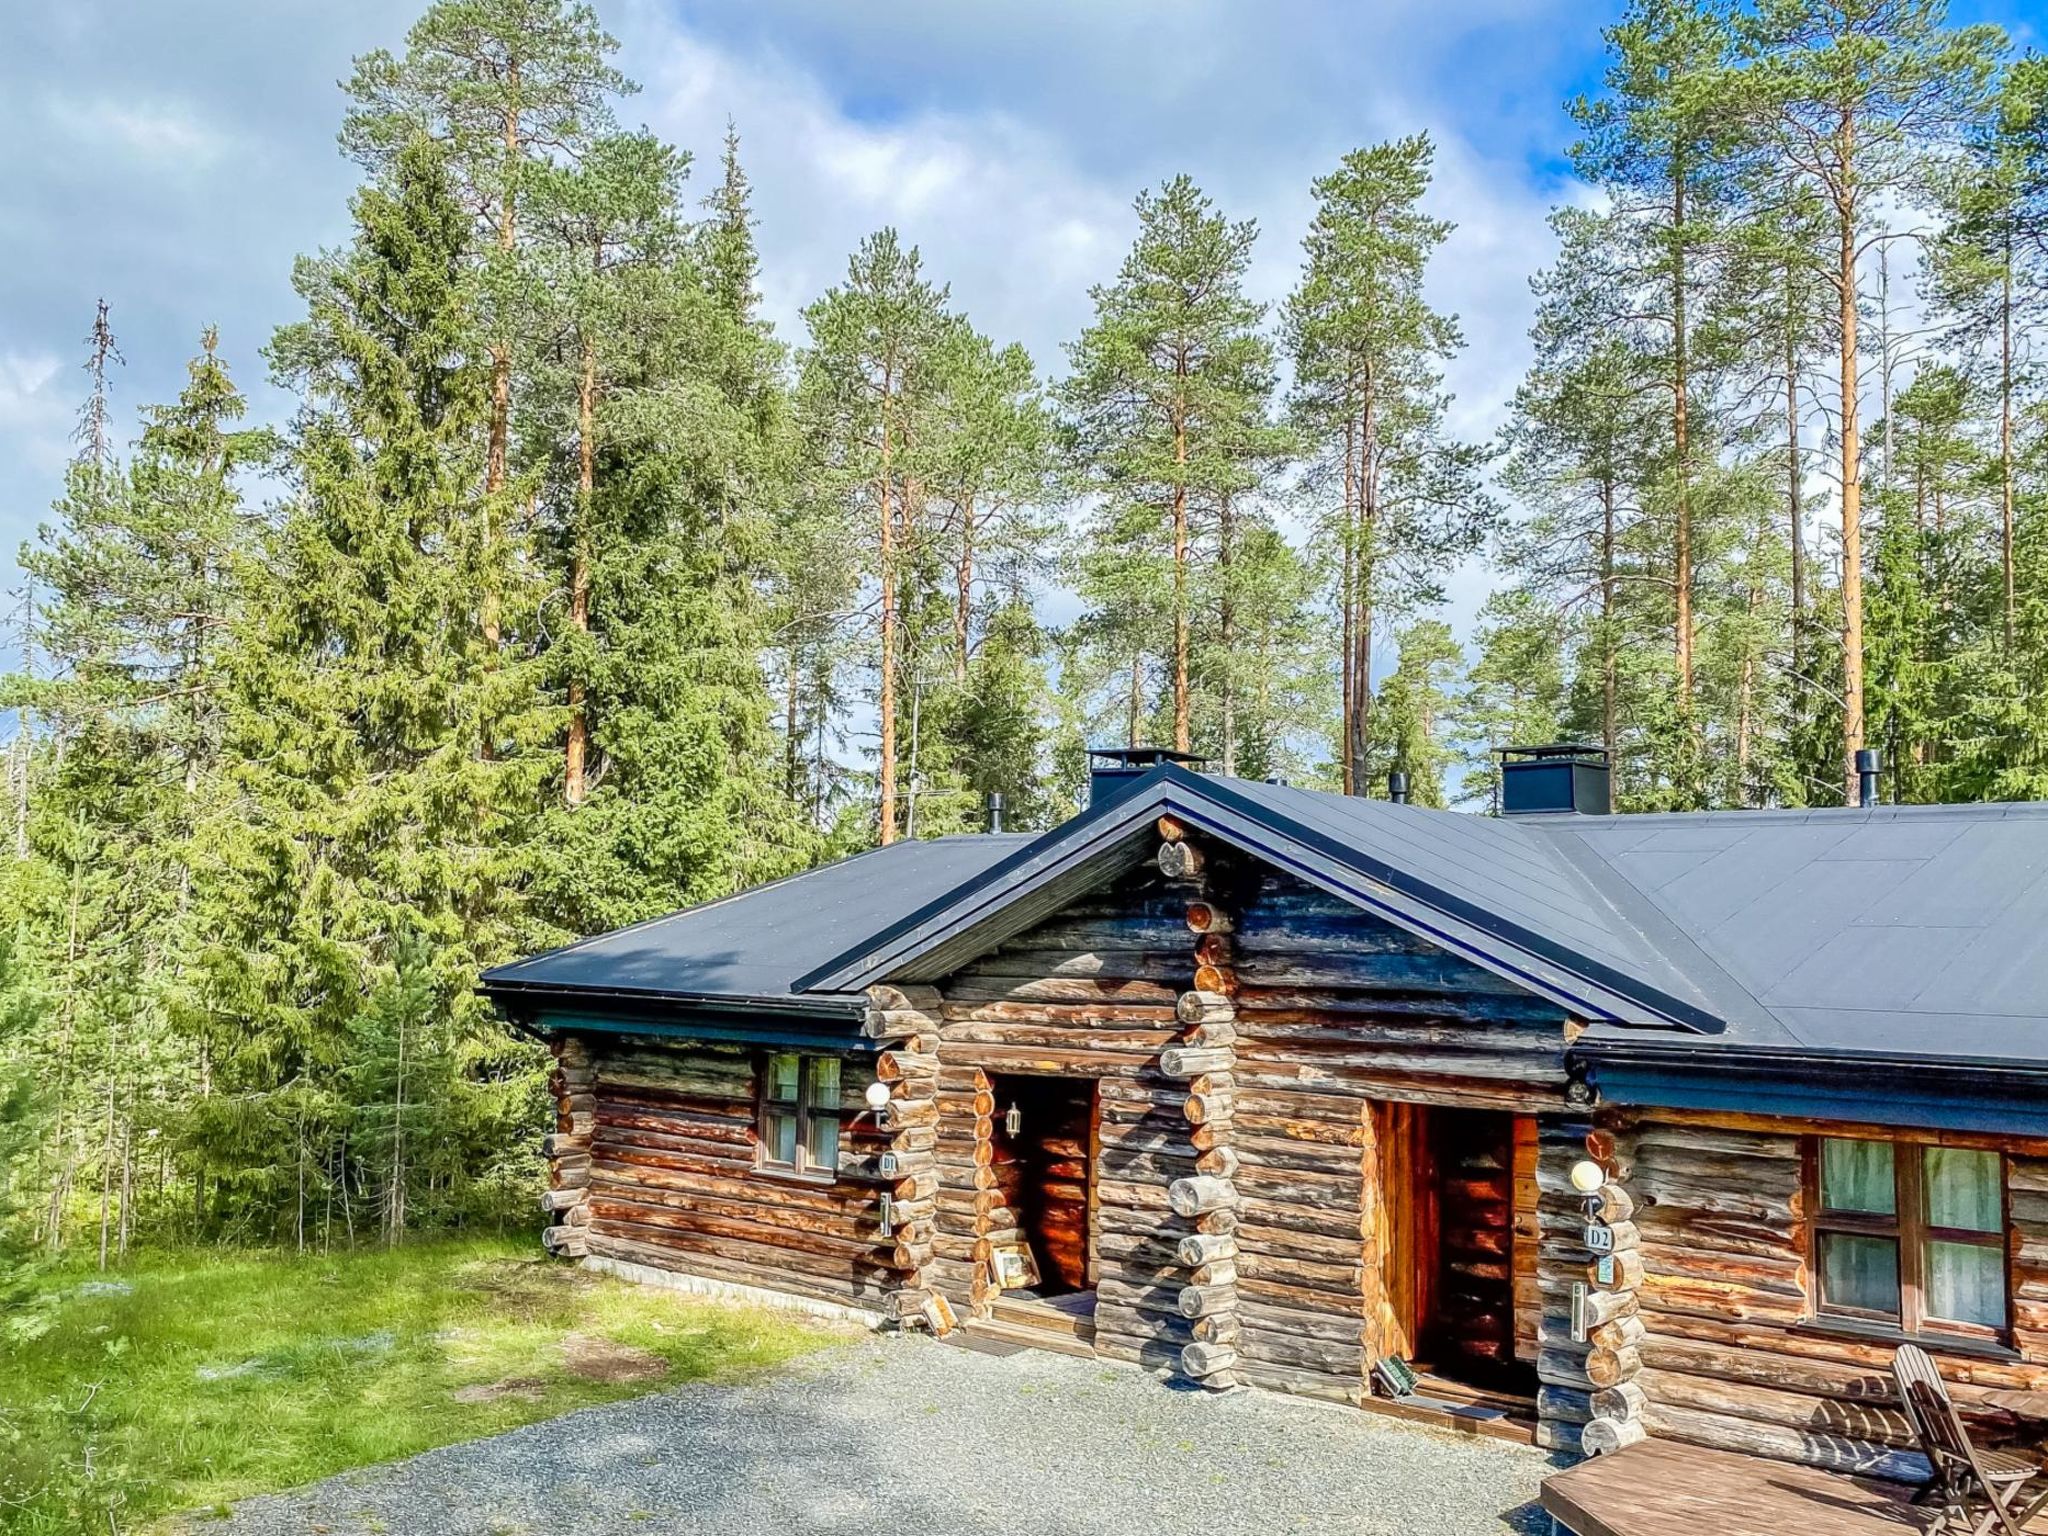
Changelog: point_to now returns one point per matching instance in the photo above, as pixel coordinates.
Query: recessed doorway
(1042, 1159)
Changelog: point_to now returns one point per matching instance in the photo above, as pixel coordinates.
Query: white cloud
(34, 415)
(1021, 217)
(168, 134)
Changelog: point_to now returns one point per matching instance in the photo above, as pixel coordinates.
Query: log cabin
(1563, 1125)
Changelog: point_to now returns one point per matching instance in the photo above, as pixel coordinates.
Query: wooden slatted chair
(1977, 1491)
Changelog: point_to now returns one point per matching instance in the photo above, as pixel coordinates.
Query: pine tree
(1851, 97)
(510, 88)
(1656, 144)
(870, 376)
(1164, 380)
(1369, 354)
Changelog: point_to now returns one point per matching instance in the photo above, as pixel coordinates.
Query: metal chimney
(995, 810)
(1397, 787)
(1112, 769)
(1868, 765)
(1560, 777)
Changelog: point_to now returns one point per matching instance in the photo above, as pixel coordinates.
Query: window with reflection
(1909, 1236)
(799, 1114)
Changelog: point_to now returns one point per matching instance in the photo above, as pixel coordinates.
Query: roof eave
(1994, 1095)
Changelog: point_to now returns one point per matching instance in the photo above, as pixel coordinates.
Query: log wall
(666, 1152)
(1726, 1290)
(1104, 990)
(1262, 1056)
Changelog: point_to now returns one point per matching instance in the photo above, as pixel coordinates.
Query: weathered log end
(1601, 1436)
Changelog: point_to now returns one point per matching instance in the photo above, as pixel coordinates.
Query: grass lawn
(191, 1380)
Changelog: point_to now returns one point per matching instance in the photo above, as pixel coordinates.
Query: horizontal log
(1201, 1360)
(1611, 1367)
(1199, 1007)
(1784, 1442)
(1052, 1037)
(1173, 965)
(1303, 1382)
(905, 995)
(1882, 1423)
(1625, 1401)
(1057, 989)
(1563, 1404)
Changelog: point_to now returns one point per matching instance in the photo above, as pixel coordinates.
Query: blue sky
(175, 158)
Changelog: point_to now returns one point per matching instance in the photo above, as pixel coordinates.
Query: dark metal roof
(750, 948)
(1896, 930)
(1752, 937)
(1482, 888)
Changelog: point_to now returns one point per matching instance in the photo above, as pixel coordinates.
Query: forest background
(569, 589)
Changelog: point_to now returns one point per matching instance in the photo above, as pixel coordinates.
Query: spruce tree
(366, 828)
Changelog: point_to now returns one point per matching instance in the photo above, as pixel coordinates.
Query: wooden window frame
(803, 1111)
(1908, 1227)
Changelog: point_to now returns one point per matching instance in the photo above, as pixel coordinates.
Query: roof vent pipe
(1397, 787)
(995, 811)
(1868, 764)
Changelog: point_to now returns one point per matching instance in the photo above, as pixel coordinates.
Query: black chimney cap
(1555, 776)
(1138, 759)
(1112, 769)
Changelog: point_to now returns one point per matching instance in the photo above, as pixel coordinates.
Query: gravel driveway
(915, 1438)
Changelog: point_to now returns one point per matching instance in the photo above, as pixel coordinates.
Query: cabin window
(800, 1114)
(1910, 1236)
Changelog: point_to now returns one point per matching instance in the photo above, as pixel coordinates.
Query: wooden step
(1043, 1317)
(1031, 1336)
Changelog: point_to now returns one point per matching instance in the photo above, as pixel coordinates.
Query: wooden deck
(1662, 1488)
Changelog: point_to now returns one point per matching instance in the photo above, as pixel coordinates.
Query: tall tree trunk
(963, 597)
(573, 776)
(501, 382)
(1183, 736)
(1796, 506)
(1225, 635)
(886, 786)
(1681, 573)
(1361, 625)
(107, 1144)
(395, 1205)
(791, 753)
(1137, 699)
(1347, 598)
(1610, 650)
(1852, 482)
(2005, 438)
